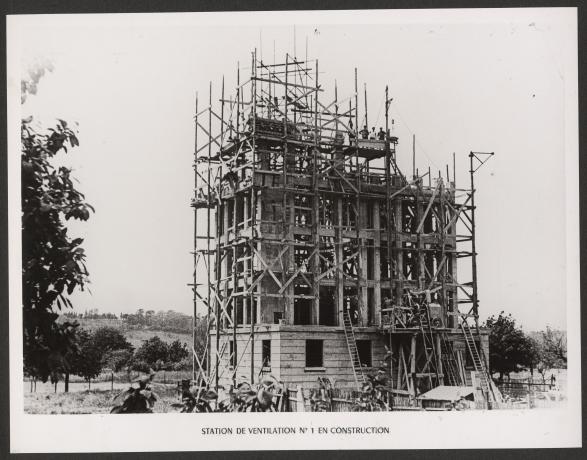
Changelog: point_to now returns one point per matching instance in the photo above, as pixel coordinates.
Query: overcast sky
(460, 83)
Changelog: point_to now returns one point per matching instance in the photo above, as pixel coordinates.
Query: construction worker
(373, 135)
(381, 134)
(364, 132)
(351, 132)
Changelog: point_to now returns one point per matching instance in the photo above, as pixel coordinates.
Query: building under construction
(315, 256)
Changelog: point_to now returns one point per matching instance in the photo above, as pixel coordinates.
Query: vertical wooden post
(195, 306)
(338, 259)
(300, 405)
(206, 357)
(439, 358)
(376, 264)
(399, 367)
(360, 259)
(413, 377)
(399, 256)
(249, 214)
(315, 262)
(414, 174)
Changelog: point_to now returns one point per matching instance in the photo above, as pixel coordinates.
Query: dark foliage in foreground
(53, 264)
(138, 399)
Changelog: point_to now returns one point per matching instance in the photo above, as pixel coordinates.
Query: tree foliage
(554, 348)
(109, 339)
(87, 360)
(53, 264)
(510, 350)
(552, 345)
(34, 73)
(153, 353)
(177, 351)
(156, 354)
(118, 360)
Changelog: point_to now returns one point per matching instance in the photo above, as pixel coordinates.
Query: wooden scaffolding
(302, 219)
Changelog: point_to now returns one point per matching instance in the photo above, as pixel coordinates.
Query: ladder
(449, 364)
(351, 344)
(423, 315)
(212, 374)
(478, 361)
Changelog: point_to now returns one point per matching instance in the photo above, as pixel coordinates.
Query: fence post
(300, 400)
(112, 381)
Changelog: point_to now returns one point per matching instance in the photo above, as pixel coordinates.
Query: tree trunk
(55, 386)
(89, 381)
(66, 382)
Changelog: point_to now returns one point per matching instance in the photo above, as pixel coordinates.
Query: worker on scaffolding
(364, 132)
(388, 309)
(353, 309)
(373, 134)
(351, 132)
(381, 134)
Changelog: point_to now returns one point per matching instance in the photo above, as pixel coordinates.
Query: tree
(509, 348)
(553, 351)
(117, 359)
(53, 264)
(555, 348)
(108, 339)
(87, 361)
(35, 73)
(177, 351)
(152, 353)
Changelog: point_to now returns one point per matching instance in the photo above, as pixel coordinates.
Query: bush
(153, 351)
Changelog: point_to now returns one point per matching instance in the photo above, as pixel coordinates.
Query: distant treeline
(90, 314)
(170, 320)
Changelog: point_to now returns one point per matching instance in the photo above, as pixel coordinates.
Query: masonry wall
(288, 355)
(336, 361)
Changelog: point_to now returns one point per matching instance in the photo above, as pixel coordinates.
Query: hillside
(135, 334)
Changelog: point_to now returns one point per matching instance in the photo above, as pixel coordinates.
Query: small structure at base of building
(448, 398)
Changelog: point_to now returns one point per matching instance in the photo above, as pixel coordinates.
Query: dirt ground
(80, 400)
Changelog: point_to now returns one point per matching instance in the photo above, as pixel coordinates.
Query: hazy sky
(460, 83)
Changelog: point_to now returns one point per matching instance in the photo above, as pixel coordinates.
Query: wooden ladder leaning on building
(449, 363)
(428, 339)
(351, 343)
(212, 373)
(478, 361)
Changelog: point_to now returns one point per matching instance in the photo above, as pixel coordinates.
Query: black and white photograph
(235, 225)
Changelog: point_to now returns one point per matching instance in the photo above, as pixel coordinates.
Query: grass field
(99, 398)
(80, 400)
